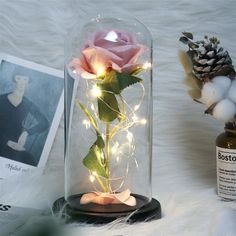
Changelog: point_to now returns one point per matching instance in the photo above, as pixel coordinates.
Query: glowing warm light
(147, 65)
(92, 178)
(129, 136)
(135, 118)
(86, 123)
(143, 121)
(114, 149)
(136, 107)
(96, 91)
(92, 107)
(111, 36)
(117, 158)
(100, 71)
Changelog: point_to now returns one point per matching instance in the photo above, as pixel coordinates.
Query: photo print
(31, 105)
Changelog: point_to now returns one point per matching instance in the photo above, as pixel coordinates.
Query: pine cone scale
(209, 59)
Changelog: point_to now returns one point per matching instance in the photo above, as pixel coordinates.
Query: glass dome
(108, 116)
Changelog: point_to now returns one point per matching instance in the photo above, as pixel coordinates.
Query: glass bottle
(226, 163)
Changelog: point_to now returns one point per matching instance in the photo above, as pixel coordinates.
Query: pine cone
(208, 58)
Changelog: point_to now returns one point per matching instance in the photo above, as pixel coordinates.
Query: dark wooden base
(92, 214)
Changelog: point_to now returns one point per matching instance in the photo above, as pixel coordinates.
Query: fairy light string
(113, 149)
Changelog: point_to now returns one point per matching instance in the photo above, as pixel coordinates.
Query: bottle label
(226, 172)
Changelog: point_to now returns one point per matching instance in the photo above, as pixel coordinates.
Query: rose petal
(123, 195)
(87, 75)
(80, 66)
(101, 39)
(126, 52)
(109, 198)
(103, 200)
(99, 57)
(125, 198)
(116, 67)
(104, 43)
(100, 34)
(108, 48)
(84, 64)
(108, 195)
(131, 201)
(127, 37)
(75, 63)
(137, 55)
(87, 198)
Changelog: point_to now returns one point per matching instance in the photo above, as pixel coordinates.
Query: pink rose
(108, 49)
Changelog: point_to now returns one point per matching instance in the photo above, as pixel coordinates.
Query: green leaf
(110, 83)
(188, 35)
(93, 161)
(89, 116)
(108, 107)
(115, 82)
(125, 80)
(137, 71)
(100, 142)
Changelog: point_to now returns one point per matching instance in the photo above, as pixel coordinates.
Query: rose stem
(115, 130)
(107, 155)
(101, 183)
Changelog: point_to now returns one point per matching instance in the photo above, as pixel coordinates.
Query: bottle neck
(230, 132)
(230, 128)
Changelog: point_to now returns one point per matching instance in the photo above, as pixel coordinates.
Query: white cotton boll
(223, 81)
(211, 93)
(224, 110)
(232, 92)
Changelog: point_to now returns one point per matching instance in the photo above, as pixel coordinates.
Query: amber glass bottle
(226, 164)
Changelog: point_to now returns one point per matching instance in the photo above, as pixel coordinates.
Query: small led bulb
(91, 178)
(96, 91)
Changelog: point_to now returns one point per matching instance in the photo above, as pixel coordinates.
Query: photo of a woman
(31, 106)
(15, 109)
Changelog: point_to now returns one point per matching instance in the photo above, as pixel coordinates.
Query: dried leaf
(184, 40)
(185, 61)
(190, 81)
(188, 35)
(195, 94)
